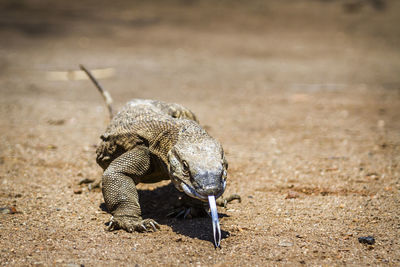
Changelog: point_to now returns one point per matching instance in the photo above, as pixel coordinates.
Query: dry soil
(303, 95)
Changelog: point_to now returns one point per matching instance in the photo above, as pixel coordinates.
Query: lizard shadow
(157, 204)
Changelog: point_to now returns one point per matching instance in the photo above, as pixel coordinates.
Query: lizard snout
(203, 189)
(210, 190)
(210, 184)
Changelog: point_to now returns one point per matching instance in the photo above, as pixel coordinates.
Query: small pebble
(56, 122)
(369, 240)
(285, 244)
(292, 194)
(77, 191)
(74, 265)
(51, 147)
(94, 186)
(86, 181)
(8, 210)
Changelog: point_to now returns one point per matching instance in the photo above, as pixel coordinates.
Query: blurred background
(331, 42)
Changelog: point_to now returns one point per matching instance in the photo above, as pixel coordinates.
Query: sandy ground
(303, 95)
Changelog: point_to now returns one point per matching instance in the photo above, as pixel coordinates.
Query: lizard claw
(131, 224)
(150, 225)
(153, 225)
(187, 212)
(184, 213)
(111, 224)
(180, 213)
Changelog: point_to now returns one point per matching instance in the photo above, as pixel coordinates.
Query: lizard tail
(106, 95)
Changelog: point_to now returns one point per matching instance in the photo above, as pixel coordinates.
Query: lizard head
(198, 168)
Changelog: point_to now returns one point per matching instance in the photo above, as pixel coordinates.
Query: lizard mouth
(190, 191)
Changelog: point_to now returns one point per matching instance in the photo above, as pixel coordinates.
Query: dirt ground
(304, 95)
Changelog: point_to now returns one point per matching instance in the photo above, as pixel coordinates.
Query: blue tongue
(215, 221)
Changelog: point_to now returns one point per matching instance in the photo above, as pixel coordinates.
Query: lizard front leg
(120, 194)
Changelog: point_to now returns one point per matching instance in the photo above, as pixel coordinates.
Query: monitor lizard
(148, 141)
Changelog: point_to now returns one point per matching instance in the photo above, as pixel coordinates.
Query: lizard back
(151, 123)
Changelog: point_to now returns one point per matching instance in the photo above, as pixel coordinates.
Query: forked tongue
(215, 221)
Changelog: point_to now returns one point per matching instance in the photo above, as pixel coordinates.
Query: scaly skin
(149, 141)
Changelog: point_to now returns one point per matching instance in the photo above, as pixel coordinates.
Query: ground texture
(303, 95)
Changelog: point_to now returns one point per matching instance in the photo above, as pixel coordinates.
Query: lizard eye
(185, 167)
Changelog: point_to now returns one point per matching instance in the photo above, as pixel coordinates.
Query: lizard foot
(187, 208)
(223, 202)
(131, 224)
(187, 212)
